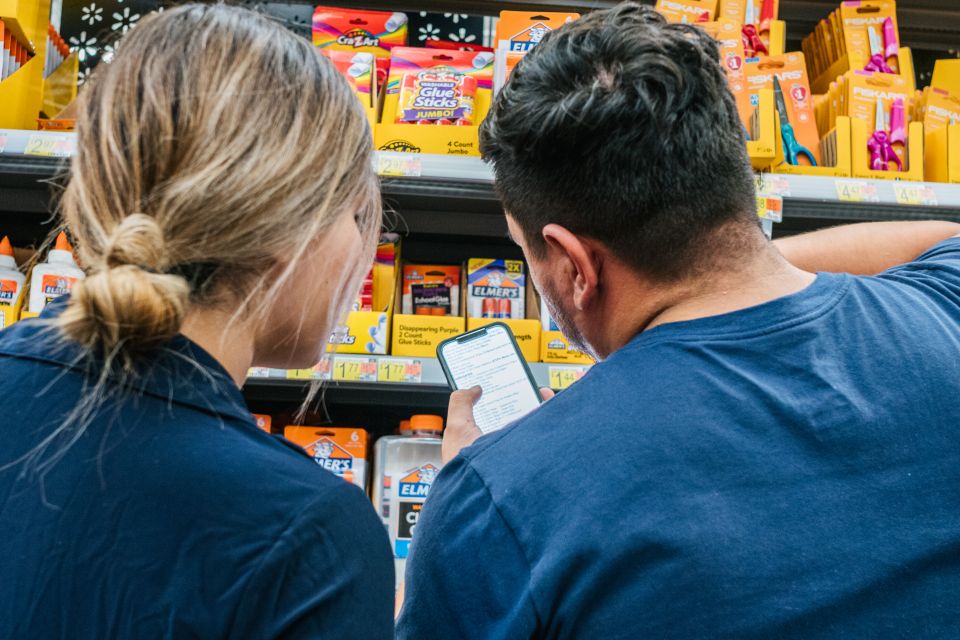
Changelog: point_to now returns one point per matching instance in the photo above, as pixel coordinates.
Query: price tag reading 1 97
(856, 191)
(563, 376)
(355, 369)
(403, 370)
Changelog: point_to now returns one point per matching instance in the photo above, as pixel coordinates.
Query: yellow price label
(350, 369)
(319, 371)
(915, 194)
(770, 207)
(563, 377)
(299, 374)
(399, 167)
(856, 191)
(396, 370)
(48, 146)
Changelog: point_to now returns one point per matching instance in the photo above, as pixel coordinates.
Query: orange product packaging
(431, 290)
(375, 32)
(520, 31)
(263, 421)
(791, 70)
(727, 33)
(736, 10)
(434, 86)
(342, 451)
(858, 19)
(687, 10)
(358, 68)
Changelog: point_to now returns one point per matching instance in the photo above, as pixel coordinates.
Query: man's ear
(579, 264)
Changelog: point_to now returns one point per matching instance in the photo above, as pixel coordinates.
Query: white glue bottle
(55, 277)
(404, 469)
(11, 279)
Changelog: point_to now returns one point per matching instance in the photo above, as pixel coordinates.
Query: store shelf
(454, 196)
(367, 371)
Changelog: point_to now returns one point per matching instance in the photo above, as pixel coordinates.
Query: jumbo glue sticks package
(431, 86)
(374, 32)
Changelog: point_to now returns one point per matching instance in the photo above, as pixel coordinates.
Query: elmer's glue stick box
(342, 451)
(496, 289)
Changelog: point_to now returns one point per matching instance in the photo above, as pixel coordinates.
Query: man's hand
(461, 428)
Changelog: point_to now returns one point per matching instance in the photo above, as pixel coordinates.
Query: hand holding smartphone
(489, 357)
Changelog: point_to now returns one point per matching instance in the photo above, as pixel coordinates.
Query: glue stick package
(437, 87)
(374, 32)
(358, 69)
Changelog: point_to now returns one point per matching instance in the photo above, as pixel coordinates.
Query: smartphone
(489, 357)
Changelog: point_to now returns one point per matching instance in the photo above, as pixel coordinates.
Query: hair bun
(126, 306)
(137, 240)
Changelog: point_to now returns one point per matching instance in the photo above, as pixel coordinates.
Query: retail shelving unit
(448, 210)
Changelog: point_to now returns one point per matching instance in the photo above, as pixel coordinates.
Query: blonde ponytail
(215, 143)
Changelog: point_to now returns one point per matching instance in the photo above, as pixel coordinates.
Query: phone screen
(490, 359)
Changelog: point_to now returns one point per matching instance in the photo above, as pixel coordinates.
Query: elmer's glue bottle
(405, 467)
(55, 277)
(11, 280)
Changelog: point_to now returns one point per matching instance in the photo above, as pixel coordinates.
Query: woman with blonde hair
(223, 205)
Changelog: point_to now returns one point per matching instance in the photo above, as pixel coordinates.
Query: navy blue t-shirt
(173, 515)
(790, 470)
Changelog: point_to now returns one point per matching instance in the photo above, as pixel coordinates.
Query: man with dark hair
(761, 452)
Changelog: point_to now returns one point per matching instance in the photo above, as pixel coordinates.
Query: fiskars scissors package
(885, 143)
(861, 35)
(757, 23)
(791, 71)
(939, 110)
(435, 101)
(690, 11)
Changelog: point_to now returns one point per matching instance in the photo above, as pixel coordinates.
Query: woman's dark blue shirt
(172, 515)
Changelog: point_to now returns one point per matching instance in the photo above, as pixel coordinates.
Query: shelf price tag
(3, 143)
(47, 146)
(856, 191)
(258, 372)
(915, 194)
(355, 369)
(770, 208)
(405, 370)
(320, 371)
(563, 376)
(399, 166)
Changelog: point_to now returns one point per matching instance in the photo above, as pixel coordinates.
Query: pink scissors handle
(878, 63)
(881, 152)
